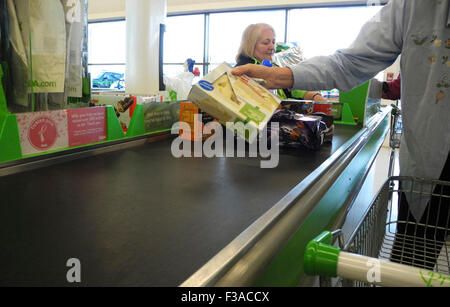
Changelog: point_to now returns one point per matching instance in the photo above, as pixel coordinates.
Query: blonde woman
(257, 45)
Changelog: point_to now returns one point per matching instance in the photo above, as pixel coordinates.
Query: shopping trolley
(396, 129)
(380, 252)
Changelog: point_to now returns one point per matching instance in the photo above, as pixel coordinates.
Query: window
(107, 48)
(213, 38)
(322, 31)
(184, 38)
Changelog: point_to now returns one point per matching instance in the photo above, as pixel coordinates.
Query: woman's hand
(314, 96)
(275, 77)
(319, 98)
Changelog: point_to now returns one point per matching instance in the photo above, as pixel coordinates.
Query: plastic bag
(19, 60)
(74, 20)
(38, 57)
(44, 34)
(181, 84)
(288, 57)
(74, 12)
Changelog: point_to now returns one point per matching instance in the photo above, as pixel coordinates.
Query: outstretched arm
(377, 46)
(275, 77)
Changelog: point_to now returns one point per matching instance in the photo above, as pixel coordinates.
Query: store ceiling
(116, 8)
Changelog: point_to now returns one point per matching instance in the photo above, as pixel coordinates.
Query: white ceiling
(99, 9)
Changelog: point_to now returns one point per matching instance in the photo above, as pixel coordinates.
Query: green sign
(161, 115)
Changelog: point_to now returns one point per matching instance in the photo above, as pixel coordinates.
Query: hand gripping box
(230, 98)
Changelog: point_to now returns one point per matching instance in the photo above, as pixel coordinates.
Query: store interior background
(111, 10)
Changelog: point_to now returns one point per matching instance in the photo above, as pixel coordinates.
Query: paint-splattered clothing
(419, 30)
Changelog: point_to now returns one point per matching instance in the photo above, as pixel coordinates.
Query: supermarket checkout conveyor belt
(138, 216)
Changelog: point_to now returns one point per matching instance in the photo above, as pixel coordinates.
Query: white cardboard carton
(230, 98)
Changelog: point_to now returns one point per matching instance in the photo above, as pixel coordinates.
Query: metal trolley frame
(420, 259)
(401, 252)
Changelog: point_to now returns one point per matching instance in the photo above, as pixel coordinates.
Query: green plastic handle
(320, 257)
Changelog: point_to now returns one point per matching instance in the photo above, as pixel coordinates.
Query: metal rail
(242, 261)
(27, 164)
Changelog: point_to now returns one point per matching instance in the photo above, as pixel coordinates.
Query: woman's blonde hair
(250, 38)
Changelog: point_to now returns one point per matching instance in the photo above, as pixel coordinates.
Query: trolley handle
(323, 259)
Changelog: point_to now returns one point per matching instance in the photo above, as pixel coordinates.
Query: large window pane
(107, 42)
(322, 31)
(184, 38)
(226, 31)
(107, 46)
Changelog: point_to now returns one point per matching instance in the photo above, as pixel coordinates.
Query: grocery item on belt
(298, 106)
(189, 113)
(224, 87)
(310, 106)
(230, 98)
(326, 126)
(324, 107)
(249, 90)
(302, 131)
(124, 104)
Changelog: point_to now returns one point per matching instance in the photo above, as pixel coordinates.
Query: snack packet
(302, 131)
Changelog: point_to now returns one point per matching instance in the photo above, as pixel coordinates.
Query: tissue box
(230, 98)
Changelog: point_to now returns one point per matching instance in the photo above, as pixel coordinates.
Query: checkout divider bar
(340, 220)
(242, 261)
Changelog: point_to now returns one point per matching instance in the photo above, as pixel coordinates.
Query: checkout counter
(134, 215)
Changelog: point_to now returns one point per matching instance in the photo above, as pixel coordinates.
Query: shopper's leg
(438, 216)
(436, 220)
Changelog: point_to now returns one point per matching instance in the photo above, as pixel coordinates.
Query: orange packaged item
(189, 114)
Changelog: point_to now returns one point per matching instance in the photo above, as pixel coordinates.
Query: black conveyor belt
(138, 216)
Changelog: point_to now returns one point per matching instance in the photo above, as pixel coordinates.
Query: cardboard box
(230, 98)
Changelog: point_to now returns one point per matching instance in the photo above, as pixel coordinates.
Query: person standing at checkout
(258, 45)
(419, 31)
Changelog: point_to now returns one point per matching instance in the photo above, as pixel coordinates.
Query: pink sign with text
(87, 125)
(52, 130)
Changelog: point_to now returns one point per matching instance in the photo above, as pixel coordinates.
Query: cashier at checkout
(258, 45)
